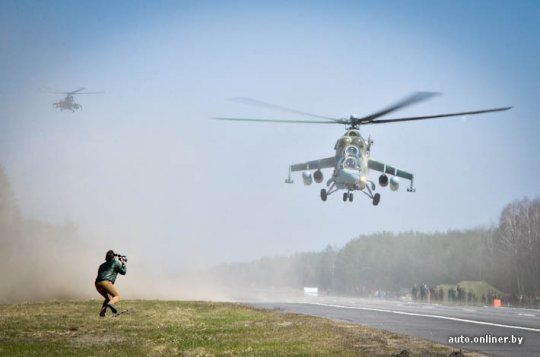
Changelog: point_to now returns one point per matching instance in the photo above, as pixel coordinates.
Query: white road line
(425, 315)
(530, 315)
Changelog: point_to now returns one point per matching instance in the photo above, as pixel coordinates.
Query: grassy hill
(180, 328)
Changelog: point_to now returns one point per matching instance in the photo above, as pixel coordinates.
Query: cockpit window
(352, 150)
(350, 163)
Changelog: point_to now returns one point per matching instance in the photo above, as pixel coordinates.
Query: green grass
(180, 328)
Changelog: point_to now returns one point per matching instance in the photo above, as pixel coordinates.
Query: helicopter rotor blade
(353, 121)
(384, 121)
(262, 104)
(75, 91)
(88, 93)
(284, 121)
(51, 91)
(411, 99)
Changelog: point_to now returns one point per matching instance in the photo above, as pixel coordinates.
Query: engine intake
(383, 180)
(318, 176)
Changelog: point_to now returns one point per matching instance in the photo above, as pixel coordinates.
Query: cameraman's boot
(103, 310)
(113, 309)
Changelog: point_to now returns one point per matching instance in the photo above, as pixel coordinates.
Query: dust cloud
(43, 261)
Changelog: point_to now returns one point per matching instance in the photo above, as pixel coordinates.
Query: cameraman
(107, 273)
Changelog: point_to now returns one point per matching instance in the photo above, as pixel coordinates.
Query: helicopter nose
(351, 177)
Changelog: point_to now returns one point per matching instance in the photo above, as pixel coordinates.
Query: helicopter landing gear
(325, 193)
(347, 196)
(375, 198)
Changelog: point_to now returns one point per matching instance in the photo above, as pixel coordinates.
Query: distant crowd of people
(453, 295)
(523, 301)
(423, 292)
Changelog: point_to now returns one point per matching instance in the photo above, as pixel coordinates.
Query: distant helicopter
(351, 162)
(68, 102)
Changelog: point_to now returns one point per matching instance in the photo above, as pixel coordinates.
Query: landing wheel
(345, 197)
(350, 197)
(324, 195)
(376, 199)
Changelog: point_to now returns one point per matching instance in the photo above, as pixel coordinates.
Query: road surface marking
(425, 315)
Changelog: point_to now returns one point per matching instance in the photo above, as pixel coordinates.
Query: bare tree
(518, 239)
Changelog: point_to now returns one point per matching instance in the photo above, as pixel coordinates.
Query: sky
(143, 169)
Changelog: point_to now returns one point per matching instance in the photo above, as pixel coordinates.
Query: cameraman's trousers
(108, 291)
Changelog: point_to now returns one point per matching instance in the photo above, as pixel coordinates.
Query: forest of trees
(507, 257)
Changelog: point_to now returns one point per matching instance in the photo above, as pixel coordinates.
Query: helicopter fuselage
(67, 103)
(351, 161)
(351, 164)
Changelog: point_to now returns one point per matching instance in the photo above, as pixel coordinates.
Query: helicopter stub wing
(315, 164)
(387, 169)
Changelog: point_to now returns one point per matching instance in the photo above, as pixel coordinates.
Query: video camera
(121, 257)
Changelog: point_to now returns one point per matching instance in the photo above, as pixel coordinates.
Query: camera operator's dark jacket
(109, 270)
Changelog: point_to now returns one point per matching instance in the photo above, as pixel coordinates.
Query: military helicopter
(68, 102)
(351, 161)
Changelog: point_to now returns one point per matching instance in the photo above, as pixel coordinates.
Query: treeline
(506, 256)
(515, 246)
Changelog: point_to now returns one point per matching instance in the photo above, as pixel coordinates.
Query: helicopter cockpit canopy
(351, 163)
(352, 151)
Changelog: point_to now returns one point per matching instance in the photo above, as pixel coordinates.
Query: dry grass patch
(180, 328)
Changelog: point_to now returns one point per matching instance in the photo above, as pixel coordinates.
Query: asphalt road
(433, 322)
